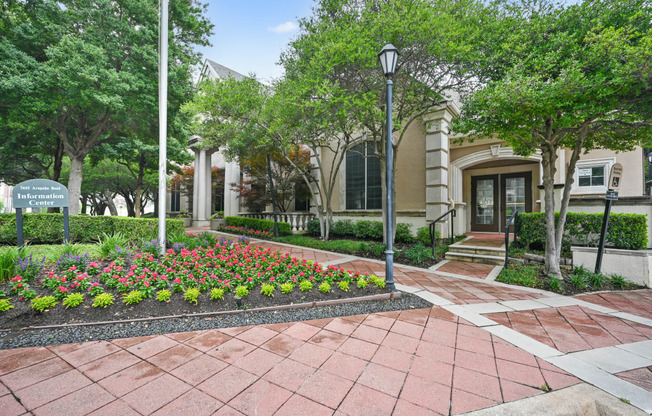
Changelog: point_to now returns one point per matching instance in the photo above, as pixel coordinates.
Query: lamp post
(388, 57)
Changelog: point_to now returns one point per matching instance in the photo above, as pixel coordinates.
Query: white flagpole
(162, 121)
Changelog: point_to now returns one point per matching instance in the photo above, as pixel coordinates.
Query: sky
(249, 35)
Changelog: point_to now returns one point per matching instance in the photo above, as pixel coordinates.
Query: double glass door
(495, 197)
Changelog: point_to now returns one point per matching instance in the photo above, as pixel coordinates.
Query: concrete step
(476, 258)
(468, 249)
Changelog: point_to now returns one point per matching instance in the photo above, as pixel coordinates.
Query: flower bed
(244, 231)
(183, 281)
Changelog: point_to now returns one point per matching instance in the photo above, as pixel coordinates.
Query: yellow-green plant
(325, 287)
(43, 303)
(344, 286)
(133, 297)
(163, 295)
(287, 288)
(72, 300)
(305, 286)
(267, 289)
(5, 305)
(103, 300)
(241, 291)
(191, 295)
(217, 294)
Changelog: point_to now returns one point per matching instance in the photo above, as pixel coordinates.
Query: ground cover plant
(575, 280)
(199, 274)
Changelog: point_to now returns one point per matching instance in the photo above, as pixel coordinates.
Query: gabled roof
(213, 70)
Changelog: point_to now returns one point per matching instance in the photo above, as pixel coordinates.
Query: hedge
(48, 228)
(626, 231)
(259, 225)
(364, 229)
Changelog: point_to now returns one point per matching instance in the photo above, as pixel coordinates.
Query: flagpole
(162, 121)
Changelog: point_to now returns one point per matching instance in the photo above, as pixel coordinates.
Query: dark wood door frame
(500, 199)
(474, 185)
(503, 195)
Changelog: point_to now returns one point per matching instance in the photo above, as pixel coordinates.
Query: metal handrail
(452, 213)
(509, 222)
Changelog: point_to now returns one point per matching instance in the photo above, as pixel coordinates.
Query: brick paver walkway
(485, 344)
(466, 268)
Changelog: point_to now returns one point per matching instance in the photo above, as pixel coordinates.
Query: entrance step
(476, 253)
(475, 258)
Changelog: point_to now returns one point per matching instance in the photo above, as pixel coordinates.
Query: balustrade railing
(297, 220)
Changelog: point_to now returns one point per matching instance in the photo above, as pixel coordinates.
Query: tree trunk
(108, 199)
(552, 259)
(74, 183)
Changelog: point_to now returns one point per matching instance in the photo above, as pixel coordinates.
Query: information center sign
(40, 193)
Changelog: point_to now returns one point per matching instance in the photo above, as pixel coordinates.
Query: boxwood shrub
(626, 231)
(313, 227)
(368, 230)
(48, 228)
(259, 225)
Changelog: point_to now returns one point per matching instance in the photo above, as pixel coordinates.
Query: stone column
(437, 164)
(209, 185)
(231, 175)
(195, 186)
(200, 202)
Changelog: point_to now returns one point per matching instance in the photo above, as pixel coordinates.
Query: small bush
(379, 282)
(267, 289)
(27, 268)
(519, 275)
(618, 281)
(133, 297)
(403, 233)
(163, 295)
(417, 253)
(69, 260)
(73, 300)
(313, 228)
(362, 283)
(191, 295)
(287, 288)
(260, 225)
(43, 303)
(344, 286)
(325, 287)
(103, 300)
(5, 305)
(555, 284)
(108, 243)
(217, 294)
(423, 236)
(343, 228)
(241, 291)
(578, 281)
(305, 286)
(371, 230)
(8, 258)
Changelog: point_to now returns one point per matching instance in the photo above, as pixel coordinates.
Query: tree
(183, 181)
(287, 179)
(335, 58)
(94, 75)
(554, 77)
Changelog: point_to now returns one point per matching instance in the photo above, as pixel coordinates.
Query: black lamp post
(388, 57)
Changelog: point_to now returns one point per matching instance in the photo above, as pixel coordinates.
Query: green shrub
(5, 305)
(43, 303)
(305, 286)
(519, 275)
(417, 253)
(325, 287)
(287, 288)
(267, 289)
(378, 281)
(578, 281)
(618, 281)
(163, 295)
(371, 230)
(259, 225)
(423, 236)
(343, 228)
(626, 231)
(8, 259)
(313, 227)
(103, 300)
(344, 286)
(241, 291)
(555, 284)
(133, 297)
(191, 295)
(362, 283)
(108, 243)
(48, 228)
(403, 233)
(217, 294)
(73, 300)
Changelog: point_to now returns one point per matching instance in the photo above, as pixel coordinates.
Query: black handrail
(510, 220)
(452, 213)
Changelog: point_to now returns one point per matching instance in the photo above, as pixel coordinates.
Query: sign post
(612, 195)
(40, 193)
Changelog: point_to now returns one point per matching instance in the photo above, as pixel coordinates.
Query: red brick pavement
(424, 361)
(466, 268)
(573, 328)
(636, 302)
(641, 377)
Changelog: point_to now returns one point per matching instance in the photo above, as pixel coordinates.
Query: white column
(437, 165)
(195, 186)
(209, 185)
(200, 203)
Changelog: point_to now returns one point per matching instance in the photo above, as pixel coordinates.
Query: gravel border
(43, 337)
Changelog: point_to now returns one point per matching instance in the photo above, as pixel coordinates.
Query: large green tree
(552, 77)
(87, 70)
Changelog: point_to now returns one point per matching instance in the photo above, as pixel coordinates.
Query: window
(175, 198)
(591, 175)
(363, 183)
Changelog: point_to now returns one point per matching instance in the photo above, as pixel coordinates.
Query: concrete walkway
(482, 344)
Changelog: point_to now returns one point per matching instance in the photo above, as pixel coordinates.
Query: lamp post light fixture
(388, 57)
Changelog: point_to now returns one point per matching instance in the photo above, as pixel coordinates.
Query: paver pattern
(410, 362)
(465, 268)
(637, 302)
(573, 328)
(419, 362)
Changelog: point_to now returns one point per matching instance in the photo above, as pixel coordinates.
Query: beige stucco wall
(632, 181)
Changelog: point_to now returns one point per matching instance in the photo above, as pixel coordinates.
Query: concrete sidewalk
(482, 344)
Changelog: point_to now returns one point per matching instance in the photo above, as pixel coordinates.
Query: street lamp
(388, 57)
